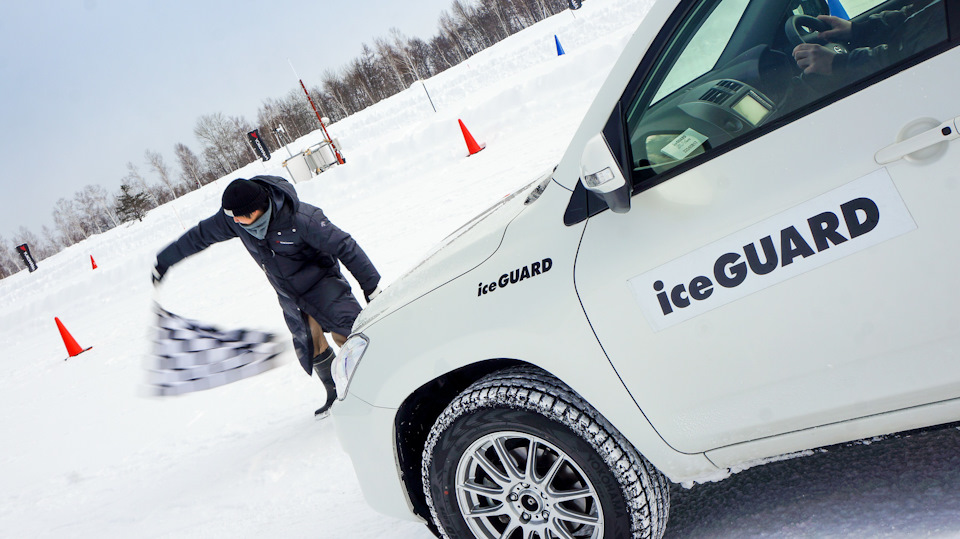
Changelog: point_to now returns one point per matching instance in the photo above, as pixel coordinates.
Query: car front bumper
(367, 434)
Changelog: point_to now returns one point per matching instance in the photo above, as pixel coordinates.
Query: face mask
(258, 228)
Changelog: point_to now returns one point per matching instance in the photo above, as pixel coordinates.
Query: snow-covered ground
(88, 453)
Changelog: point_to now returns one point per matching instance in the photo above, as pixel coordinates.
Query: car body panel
(858, 336)
(461, 251)
(518, 321)
(856, 339)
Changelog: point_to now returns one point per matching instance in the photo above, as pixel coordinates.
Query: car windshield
(701, 54)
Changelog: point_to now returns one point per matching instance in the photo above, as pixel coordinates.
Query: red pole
(336, 151)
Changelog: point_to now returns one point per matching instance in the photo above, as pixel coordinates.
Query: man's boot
(321, 366)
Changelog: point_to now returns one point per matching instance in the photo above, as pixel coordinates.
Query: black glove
(369, 297)
(158, 271)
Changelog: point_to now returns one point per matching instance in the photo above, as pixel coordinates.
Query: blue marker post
(836, 9)
(559, 48)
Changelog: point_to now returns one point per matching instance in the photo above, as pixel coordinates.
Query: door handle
(942, 133)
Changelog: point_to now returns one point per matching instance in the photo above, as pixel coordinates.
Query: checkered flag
(191, 356)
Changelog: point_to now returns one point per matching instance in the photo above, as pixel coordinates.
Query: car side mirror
(601, 174)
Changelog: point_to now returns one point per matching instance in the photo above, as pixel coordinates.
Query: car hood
(458, 253)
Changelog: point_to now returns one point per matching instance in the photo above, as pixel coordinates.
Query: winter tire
(519, 455)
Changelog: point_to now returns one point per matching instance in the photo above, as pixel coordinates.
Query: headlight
(346, 362)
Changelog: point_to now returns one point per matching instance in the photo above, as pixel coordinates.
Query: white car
(734, 260)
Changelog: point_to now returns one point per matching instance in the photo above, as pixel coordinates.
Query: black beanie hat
(243, 197)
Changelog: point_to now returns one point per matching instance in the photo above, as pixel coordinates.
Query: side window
(733, 66)
(702, 52)
(853, 8)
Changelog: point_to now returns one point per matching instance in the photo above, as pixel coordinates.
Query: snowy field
(88, 453)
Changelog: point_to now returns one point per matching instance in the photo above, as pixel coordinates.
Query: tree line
(389, 66)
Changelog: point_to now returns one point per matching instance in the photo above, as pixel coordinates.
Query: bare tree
(336, 89)
(326, 105)
(9, 259)
(54, 241)
(191, 169)
(293, 112)
(365, 78)
(422, 57)
(450, 30)
(222, 136)
(526, 12)
(412, 54)
(467, 17)
(503, 19)
(155, 161)
(241, 127)
(323, 102)
(88, 216)
(39, 248)
(68, 222)
(390, 57)
(441, 53)
(95, 211)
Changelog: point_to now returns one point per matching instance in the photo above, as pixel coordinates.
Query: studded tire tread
(644, 489)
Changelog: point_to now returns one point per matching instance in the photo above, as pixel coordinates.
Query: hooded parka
(300, 255)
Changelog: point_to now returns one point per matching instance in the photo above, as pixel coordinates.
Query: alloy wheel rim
(516, 485)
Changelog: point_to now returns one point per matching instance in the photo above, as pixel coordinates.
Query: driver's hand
(813, 58)
(839, 29)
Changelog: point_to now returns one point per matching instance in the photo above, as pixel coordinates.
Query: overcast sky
(89, 85)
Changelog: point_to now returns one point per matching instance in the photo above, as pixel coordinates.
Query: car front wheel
(519, 455)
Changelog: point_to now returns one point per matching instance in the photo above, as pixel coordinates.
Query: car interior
(729, 70)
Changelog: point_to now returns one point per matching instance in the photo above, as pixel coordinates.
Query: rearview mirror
(601, 174)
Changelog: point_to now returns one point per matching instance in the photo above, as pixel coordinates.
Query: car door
(785, 264)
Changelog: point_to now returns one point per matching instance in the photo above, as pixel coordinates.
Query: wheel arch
(420, 410)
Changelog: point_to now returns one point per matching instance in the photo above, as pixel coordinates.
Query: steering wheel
(792, 28)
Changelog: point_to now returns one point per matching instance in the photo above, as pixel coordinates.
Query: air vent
(714, 95)
(730, 85)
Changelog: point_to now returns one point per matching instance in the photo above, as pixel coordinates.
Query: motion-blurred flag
(191, 356)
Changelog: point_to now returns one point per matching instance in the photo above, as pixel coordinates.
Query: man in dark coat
(881, 40)
(300, 252)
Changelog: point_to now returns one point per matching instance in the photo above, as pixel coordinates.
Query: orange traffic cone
(472, 145)
(92, 263)
(73, 348)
